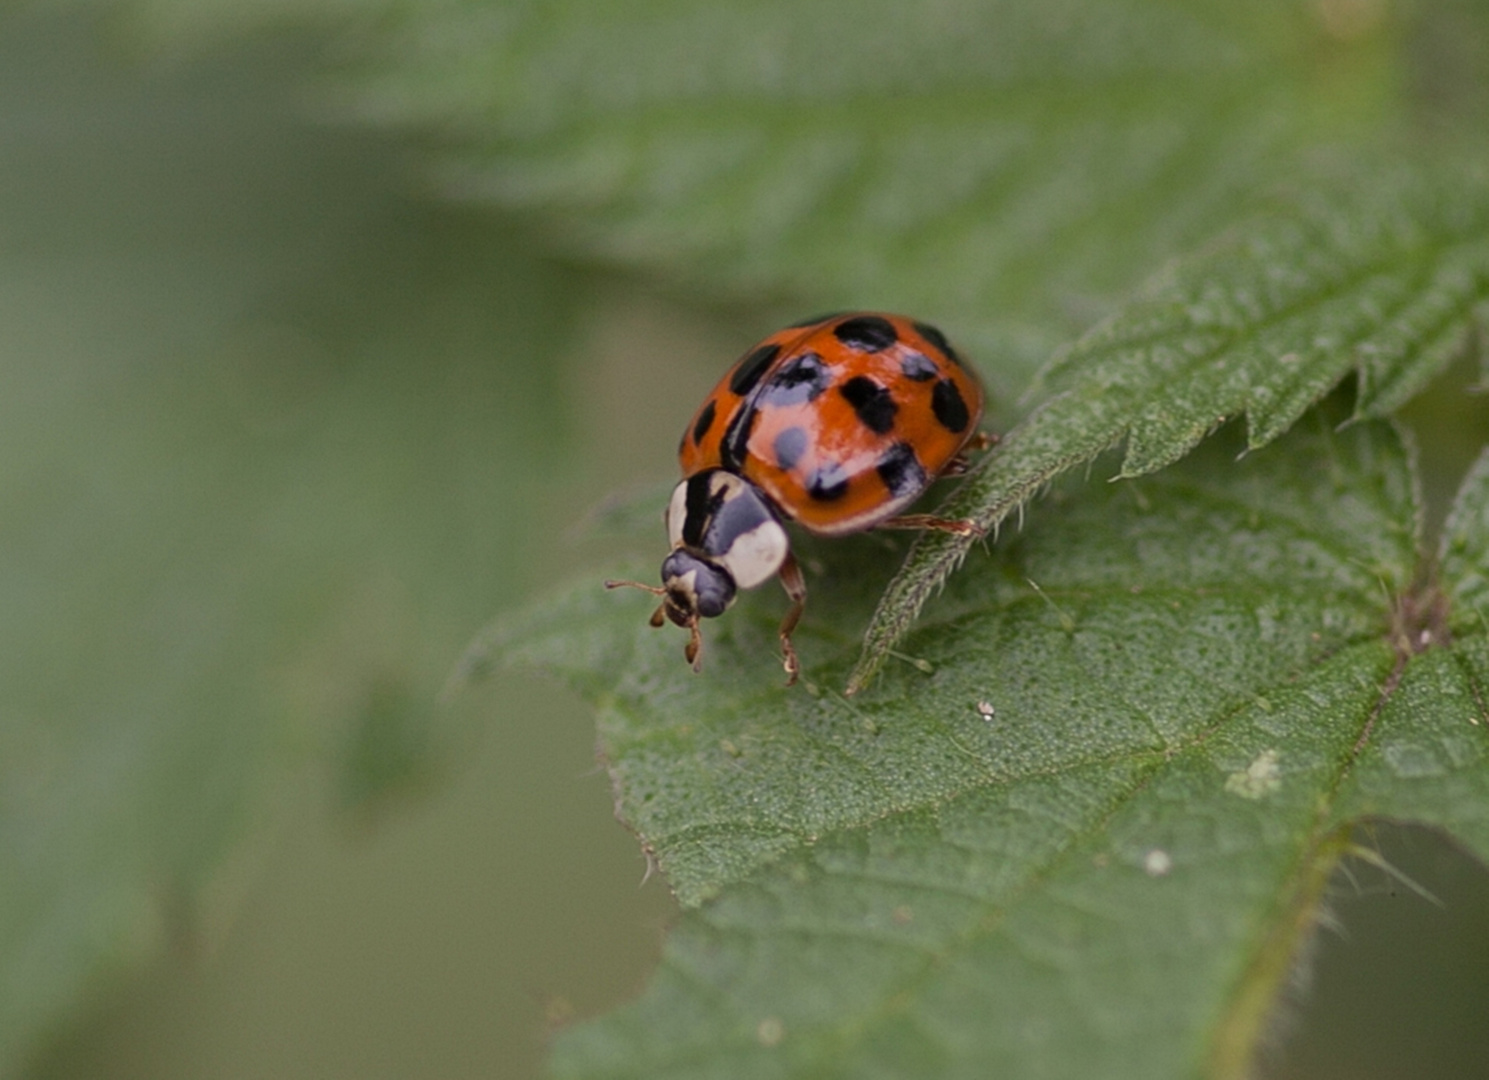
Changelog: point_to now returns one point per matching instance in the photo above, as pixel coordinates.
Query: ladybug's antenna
(655, 590)
(659, 616)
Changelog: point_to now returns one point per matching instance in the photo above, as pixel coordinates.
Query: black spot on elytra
(918, 367)
(868, 333)
(872, 402)
(950, 409)
(705, 421)
(749, 370)
(901, 470)
(938, 339)
(827, 483)
(736, 439)
(789, 446)
(799, 379)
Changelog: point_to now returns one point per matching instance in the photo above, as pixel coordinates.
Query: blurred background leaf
(280, 430)
(276, 440)
(1005, 169)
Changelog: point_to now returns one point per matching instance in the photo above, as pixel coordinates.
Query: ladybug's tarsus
(693, 650)
(962, 464)
(796, 588)
(931, 523)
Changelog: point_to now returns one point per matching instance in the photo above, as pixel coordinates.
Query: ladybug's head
(725, 537)
(695, 587)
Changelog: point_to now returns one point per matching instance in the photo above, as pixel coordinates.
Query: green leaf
(1093, 839)
(1384, 286)
(1465, 545)
(1427, 757)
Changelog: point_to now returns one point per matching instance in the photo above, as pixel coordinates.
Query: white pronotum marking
(756, 555)
(677, 511)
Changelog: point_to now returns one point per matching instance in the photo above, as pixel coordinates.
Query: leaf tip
(476, 663)
(863, 672)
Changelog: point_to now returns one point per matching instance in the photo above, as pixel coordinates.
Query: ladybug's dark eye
(715, 592)
(696, 585)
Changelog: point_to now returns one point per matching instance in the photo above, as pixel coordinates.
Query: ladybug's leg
(936, 524)
(959, 465)
(693, 650)
(796, 588)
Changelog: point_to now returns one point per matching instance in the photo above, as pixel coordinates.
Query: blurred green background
(278, 433)
(279, 436)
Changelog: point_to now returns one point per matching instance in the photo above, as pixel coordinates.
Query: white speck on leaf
(1413, 762)
(770, 1031)
(1261, 777)
(1157, 863)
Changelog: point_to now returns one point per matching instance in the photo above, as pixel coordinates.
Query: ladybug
(836, 424)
